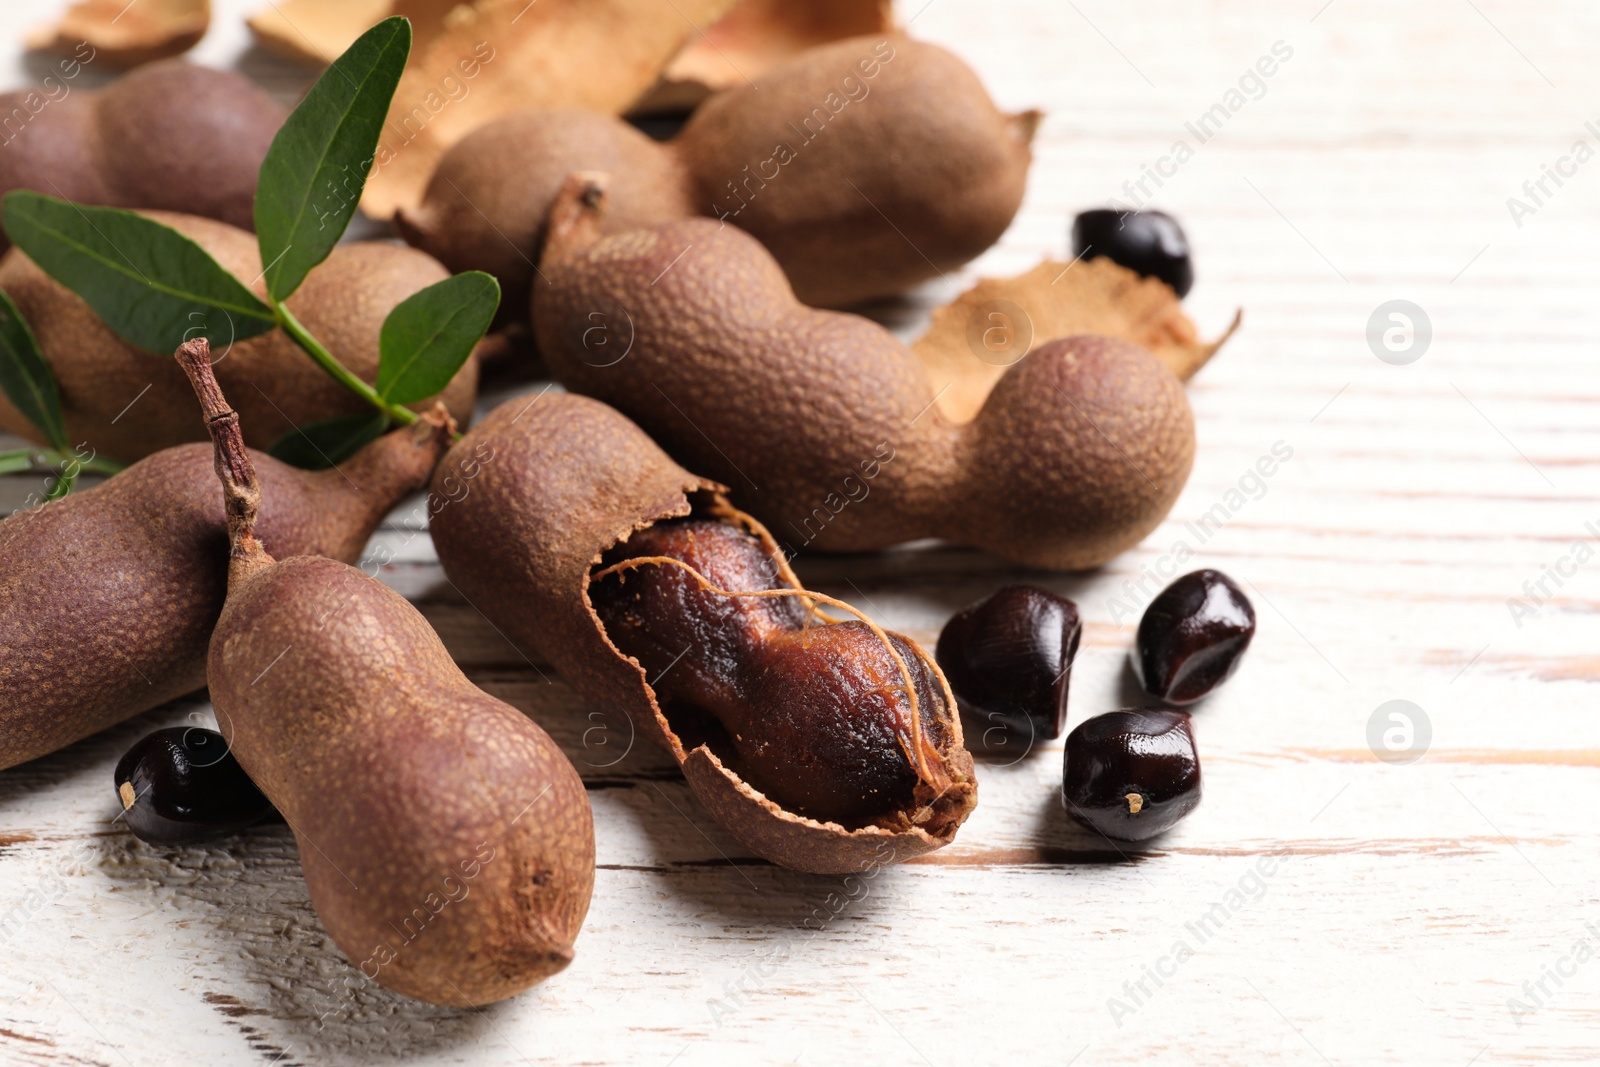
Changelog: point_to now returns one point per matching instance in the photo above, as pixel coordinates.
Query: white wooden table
(1368, 912)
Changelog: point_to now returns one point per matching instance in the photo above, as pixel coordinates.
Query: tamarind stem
(241, 493)
(575, 214)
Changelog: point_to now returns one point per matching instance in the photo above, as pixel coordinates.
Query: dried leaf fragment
(754, 37)
(498, 57)
(317, 31)
(124, 34)
(998, 321)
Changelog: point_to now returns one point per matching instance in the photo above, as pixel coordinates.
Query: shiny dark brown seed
(1150, 243)
(1132, 774)
(1192, 637)
(181, 786)
(1008, 659)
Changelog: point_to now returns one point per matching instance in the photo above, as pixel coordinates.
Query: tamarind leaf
(20, 461)
(317, 166)
(152, 285)
(27, 379)
(430, 334)
(320, 445)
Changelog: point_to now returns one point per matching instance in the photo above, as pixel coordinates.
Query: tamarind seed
(1131, 774)
(1150, 243)
(1008, 659)
(1192, 636)
(183, 786)
(810, 713)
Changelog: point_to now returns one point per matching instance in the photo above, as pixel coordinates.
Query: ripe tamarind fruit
(827, 427)
(125, 403)
(168, 135)
(446, 840)
(865, 166)
(824, 746)
(108, 596)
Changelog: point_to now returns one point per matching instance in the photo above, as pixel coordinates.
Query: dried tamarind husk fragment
(998, 321)
(753, 37)
(493, 58)
(125, 34)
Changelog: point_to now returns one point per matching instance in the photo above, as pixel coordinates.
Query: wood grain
(1320, 906)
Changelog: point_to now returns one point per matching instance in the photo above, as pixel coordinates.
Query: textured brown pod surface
(108, 597)
(826, 426)
(169, 136)
(446, 840)
(815, 162)
(528, 502)
(126, 404)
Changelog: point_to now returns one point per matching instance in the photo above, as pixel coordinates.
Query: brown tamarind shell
(814, 162)
(108, 596)
(169, 136)
(526, 504)
(830, 428)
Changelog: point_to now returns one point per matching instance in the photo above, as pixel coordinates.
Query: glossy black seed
(1148, 242)
(1192, 637)
(1132, 774)
(181, 786)
(1008, 659)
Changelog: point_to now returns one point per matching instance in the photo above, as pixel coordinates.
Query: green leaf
(312, 176)
(430, 333)
(61, 485)
(22, 461)
(27, 379)
(148, 282)
(325, 444)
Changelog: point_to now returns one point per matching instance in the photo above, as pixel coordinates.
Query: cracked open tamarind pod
(108, 596)
(169, 135)
(865, 166)
(446, 840)
(126, 403)
(828, 428)
(824, 746)
(814, 715)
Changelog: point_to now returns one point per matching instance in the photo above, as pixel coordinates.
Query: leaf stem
(338, 371)
(63, 485)
(53, 461)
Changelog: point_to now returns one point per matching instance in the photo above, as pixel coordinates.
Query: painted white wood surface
(1404, 904)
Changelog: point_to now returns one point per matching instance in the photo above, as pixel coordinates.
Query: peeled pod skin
(827, 427)
(534, 505)
(446, 840)
(865, 166)
(108, 596)
(125, 403)
(169, 136)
